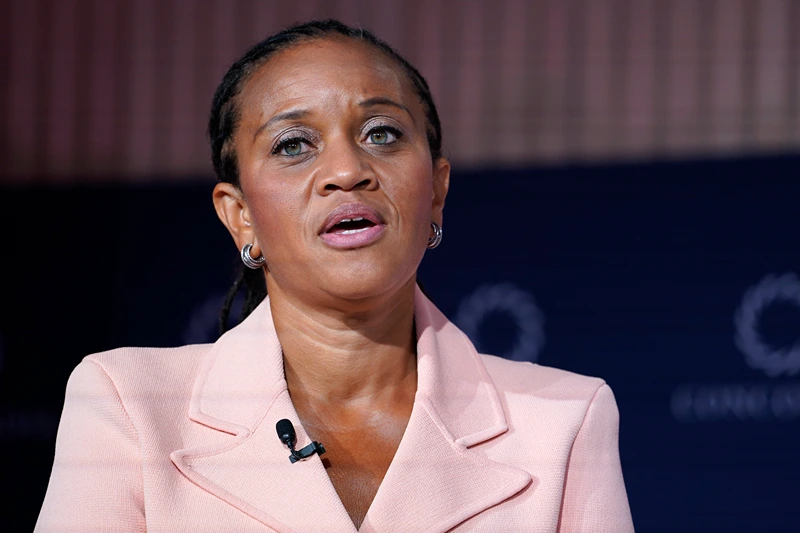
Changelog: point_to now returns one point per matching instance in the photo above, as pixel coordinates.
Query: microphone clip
(287, 435)
(306, 452)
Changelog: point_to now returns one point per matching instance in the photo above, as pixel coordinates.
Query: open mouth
(350, 226)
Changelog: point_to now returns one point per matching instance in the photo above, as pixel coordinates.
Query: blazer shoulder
(530, 379)
(150, 368)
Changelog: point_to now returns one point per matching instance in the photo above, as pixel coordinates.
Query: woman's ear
(441, 184)
(232, 210)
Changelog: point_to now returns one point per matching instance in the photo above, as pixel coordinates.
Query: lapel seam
(508, 490)
(519, 478)
(485, 382)
(250, 335)
(196, 413)
(182, 460)
(434, 414)
(204, 484)
(464, 451)
(240, 435)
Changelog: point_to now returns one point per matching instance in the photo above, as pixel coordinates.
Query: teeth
(351, 231)
(350, 220)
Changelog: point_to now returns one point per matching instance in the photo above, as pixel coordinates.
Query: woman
(332, 182)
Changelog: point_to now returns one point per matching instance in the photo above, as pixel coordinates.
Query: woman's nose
(345, 167)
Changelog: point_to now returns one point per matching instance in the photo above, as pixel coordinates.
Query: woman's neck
(351, 356)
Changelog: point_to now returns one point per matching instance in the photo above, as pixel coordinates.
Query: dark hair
(225, 115)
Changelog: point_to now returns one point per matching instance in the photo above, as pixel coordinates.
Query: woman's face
(338, 187)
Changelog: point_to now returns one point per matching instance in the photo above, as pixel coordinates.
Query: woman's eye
(291, 147)
(383, 135)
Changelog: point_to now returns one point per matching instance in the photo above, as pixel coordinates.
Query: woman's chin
(362, 282)
(350, 276)
(352, 287)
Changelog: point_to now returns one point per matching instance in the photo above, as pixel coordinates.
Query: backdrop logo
(512, 301)
(758, 354)
(773, 399)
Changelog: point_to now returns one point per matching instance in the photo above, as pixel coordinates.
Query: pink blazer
(183, 440)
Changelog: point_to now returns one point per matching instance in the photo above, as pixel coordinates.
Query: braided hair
(225, 116)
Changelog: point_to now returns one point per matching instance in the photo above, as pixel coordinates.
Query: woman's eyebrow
(382, 100)
(294, 114)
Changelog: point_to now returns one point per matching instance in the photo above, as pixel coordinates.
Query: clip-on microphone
(289, 438)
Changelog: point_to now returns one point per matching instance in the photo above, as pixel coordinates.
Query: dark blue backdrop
(679, 283)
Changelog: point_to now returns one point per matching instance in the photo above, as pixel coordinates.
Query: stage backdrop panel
(678, 283)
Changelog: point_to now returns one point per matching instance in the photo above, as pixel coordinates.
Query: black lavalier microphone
(287, 435)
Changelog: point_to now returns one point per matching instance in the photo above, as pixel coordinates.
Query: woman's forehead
(309, 72)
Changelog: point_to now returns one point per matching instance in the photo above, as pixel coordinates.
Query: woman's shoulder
(562, 401)
(146, 368)
(534, 380)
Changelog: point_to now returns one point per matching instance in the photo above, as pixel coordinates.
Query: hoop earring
(434, 241)
(248, 260)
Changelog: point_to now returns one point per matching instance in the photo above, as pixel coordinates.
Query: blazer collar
(240, 376)
(240, 390)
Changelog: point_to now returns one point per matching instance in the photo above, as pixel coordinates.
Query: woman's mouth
(352, 226)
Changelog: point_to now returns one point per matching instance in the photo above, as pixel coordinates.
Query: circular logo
(518, 304)
(758, 354)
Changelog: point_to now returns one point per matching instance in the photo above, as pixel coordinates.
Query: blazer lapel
(435, 481)
(241, 391)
